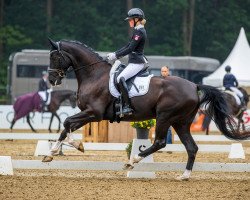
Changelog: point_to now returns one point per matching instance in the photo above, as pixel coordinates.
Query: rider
(135, 50)
(231, 83)
(43, 89)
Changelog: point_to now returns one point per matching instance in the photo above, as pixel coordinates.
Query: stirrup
(127, 110)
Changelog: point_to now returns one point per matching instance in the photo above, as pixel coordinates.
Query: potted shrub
(142, 128)
(129, 149)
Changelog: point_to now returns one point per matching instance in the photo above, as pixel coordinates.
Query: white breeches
(131, 70)
(43, 95)
(237, 91)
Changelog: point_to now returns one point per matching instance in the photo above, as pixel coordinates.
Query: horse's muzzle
(55, 81)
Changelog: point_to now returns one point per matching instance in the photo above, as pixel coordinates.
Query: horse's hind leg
(12, 124)
(183, 131)
(51, 119)
(28, 120)
(59, 122)
(160, 142)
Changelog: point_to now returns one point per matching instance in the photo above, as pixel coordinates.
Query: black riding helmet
(135, 13)
(228, 68)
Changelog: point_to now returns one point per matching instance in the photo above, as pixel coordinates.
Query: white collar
(139, 26)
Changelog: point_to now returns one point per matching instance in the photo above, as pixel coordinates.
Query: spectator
(165, 73)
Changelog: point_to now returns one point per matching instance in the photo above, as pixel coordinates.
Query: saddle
(239, 101)
(130, 81)
(132, 84)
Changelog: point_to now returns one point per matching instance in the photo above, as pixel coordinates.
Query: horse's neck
(92, 72)
(87, 65)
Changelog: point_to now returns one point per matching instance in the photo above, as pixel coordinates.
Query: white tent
(238, 59)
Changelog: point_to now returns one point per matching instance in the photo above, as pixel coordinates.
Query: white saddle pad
(42, 94)
(142, 83)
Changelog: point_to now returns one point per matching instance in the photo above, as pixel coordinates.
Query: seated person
(43, 89)
(230, 83)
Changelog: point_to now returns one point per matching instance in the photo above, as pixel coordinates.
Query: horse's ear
(53, 44)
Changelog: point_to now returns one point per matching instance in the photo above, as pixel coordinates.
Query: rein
(62, 73)
(89, 65)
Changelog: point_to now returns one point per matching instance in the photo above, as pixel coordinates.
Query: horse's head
(72, 100)
(59, 63)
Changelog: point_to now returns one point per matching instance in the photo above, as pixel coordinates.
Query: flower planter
(142, 133)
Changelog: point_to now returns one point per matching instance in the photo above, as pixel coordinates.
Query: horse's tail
(216, 107)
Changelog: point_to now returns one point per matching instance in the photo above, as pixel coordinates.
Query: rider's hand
(111, 56)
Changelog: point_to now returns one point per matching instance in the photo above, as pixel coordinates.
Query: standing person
(135, 50)
(230, 83)
(43, 89)
(165, 73)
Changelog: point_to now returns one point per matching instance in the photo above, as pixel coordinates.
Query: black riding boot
(124, 92)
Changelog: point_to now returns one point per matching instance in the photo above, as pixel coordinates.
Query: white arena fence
(38, 120)
(34, 136)
(169, 147)
(7, 165)
(54, 136)
(43, 146)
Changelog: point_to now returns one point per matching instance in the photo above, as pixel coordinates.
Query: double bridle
(61, 72)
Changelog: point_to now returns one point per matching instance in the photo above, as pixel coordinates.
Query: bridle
(61, 72)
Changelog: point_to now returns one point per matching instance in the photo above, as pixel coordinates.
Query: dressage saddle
(130, 81)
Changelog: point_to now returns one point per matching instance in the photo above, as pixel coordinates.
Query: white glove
(111, 56)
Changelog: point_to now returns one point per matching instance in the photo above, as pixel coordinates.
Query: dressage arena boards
(116, 166)
(106, 184)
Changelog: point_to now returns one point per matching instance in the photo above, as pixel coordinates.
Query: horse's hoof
(61, 153)
(80, 147)
(58, 131)
(128, 166)
(9, 140)
(47, 158)
(182, 178)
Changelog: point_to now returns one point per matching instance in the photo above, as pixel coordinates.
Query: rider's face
(131, 23)
(45, 76)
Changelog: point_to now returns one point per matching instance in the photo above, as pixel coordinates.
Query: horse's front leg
(71, 124)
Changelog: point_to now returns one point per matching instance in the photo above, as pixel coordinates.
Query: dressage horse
(172, 101)
(26, 104)
(234, 108)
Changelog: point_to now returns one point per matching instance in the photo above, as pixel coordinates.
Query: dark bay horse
(234, 109)
(57, 97)
(172, 101)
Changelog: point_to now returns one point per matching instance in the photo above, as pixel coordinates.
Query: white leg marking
(55, 148)
(185, 176)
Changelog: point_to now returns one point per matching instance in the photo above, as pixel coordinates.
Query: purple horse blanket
(27, 103)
